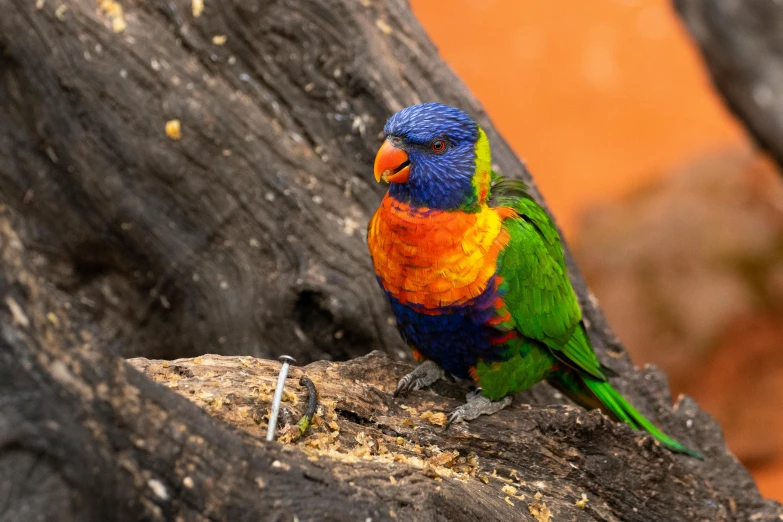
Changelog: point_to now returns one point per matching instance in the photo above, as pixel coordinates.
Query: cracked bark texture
(742, 46)
(246, 237)
(84, 436)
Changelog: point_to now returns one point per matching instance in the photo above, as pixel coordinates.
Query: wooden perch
(239, 231)
(83, 436)
(520, 461)
(742, 45)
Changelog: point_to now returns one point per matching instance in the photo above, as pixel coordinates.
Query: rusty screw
(287, 360)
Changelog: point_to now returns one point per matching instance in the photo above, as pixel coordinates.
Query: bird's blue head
(435, 156)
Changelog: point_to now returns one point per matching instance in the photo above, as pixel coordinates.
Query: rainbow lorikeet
(474, 270)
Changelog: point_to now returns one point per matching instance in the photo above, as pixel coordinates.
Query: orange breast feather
(434, 258)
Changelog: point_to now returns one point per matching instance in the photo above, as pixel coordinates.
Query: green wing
(539, 295)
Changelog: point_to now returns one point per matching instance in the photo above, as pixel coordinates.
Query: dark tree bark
(246, 237)
(85, 437)
(742, 45)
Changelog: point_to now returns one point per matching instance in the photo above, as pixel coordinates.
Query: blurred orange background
(603, 100)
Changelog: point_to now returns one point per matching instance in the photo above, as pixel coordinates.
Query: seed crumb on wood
(174, 129)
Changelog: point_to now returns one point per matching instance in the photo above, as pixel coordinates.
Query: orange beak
(391, 164)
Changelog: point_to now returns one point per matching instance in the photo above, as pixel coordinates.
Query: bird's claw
(423, 375)
(476, 406)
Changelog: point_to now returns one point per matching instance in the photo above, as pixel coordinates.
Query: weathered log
(245, 237)
(83, 436)
(505, 466)
(742, 45)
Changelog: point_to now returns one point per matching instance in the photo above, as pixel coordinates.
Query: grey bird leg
(423, 375)
(476, 406)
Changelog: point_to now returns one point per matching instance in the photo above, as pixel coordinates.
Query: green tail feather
(624, 410)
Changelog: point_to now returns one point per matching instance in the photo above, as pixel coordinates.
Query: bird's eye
(438, 146)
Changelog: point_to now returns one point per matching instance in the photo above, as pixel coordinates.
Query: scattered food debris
(174, 130)
(118, 25)
(60, 12)
(115, 13)
(539, 510)
(582, 502)
(438, 419)
(511, 491)
(508, 501)
(383, 26)
(204, 381)
(444, 459)
(219, 39)
(198, 8)
(411, 410)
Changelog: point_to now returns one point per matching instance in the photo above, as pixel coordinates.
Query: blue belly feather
(457, 336)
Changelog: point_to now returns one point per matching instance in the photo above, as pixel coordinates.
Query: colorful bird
(474, 270)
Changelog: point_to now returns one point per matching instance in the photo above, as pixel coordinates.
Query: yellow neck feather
(482, 178)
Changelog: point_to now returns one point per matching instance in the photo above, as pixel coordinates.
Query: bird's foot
(423, 375)
(476, 406)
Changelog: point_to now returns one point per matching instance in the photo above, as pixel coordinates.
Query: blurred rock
(690, 274)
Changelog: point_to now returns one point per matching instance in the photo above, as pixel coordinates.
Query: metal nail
(287, 361)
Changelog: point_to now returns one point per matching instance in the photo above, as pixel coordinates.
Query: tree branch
(243, 237)
(742, 45)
